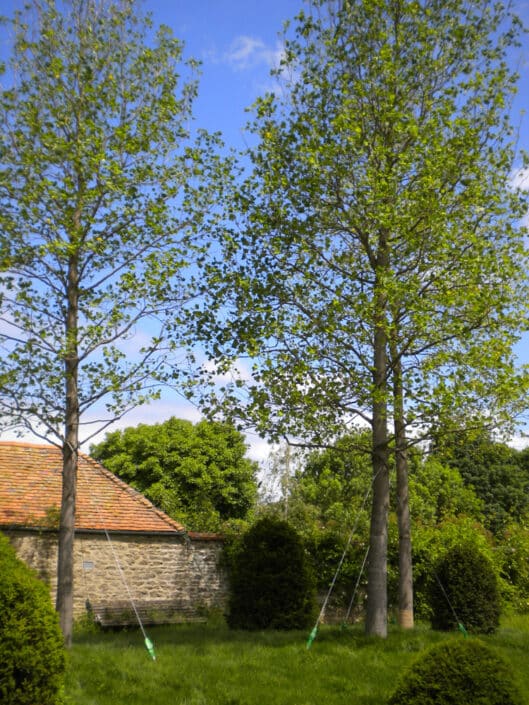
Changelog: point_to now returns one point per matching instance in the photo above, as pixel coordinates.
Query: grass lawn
(211, 665)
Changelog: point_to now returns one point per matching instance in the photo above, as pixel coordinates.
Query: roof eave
(125, 532)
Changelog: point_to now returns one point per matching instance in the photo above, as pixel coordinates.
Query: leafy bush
(495, 471)
(32, 658)
(326, 550)
(458, 671)
(465, 586)
(272, 585)
(197, 473)
(431, 543)
(513, 555)
(438, 492)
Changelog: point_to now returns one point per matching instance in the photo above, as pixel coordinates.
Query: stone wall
(184, 570)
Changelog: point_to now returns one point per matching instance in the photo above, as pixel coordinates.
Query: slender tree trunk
(403, 508)
(70, 448)
(66, 540)
(377, 600)
(286, 480)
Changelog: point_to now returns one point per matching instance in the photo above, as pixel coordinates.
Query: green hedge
(462, 671)
(431, 543)
(32, 657)
(465, 590)
(272, 586)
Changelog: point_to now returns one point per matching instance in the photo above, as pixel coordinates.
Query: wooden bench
(122, 614)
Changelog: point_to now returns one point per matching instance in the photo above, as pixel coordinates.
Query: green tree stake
(462, 629)
(150, 648)
(312, 636)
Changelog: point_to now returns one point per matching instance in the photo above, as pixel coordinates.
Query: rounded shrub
(32, 656)
(458, 671)
(272, 586)
(431, 543)
(465, 586)
(513, 555)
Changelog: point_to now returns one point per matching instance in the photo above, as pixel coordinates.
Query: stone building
(128, 555)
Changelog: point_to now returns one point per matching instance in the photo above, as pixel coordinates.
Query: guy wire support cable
(314, 631)
(148, 643)
(346, 619)
(460, 625)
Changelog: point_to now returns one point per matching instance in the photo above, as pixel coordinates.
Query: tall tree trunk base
(406, 620)
(377, 625)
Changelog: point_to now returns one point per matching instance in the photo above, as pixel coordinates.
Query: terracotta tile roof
(30, 493)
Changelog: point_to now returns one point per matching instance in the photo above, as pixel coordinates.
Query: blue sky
(238, 43)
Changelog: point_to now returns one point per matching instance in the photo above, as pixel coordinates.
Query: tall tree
(494, 470)
(197, 473)
(377, 270)
(102, 198)
(438, 491)
(336, 480)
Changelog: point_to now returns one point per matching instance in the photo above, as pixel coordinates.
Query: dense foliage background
(198, 473)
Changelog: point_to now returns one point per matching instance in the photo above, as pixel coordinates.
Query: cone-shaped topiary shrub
(272, 586)
(455, 672)
(32, 657)
(465, 584)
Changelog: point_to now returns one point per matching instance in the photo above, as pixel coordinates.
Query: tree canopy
(494, 470)
(378, 268)
(198, 473)
(103, 196)
(336, 481)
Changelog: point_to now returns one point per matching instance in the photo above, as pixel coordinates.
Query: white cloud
(519, 442)
(238, 371)
(259, 449)
(247, 52)
(156, 411)
(520, 179)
